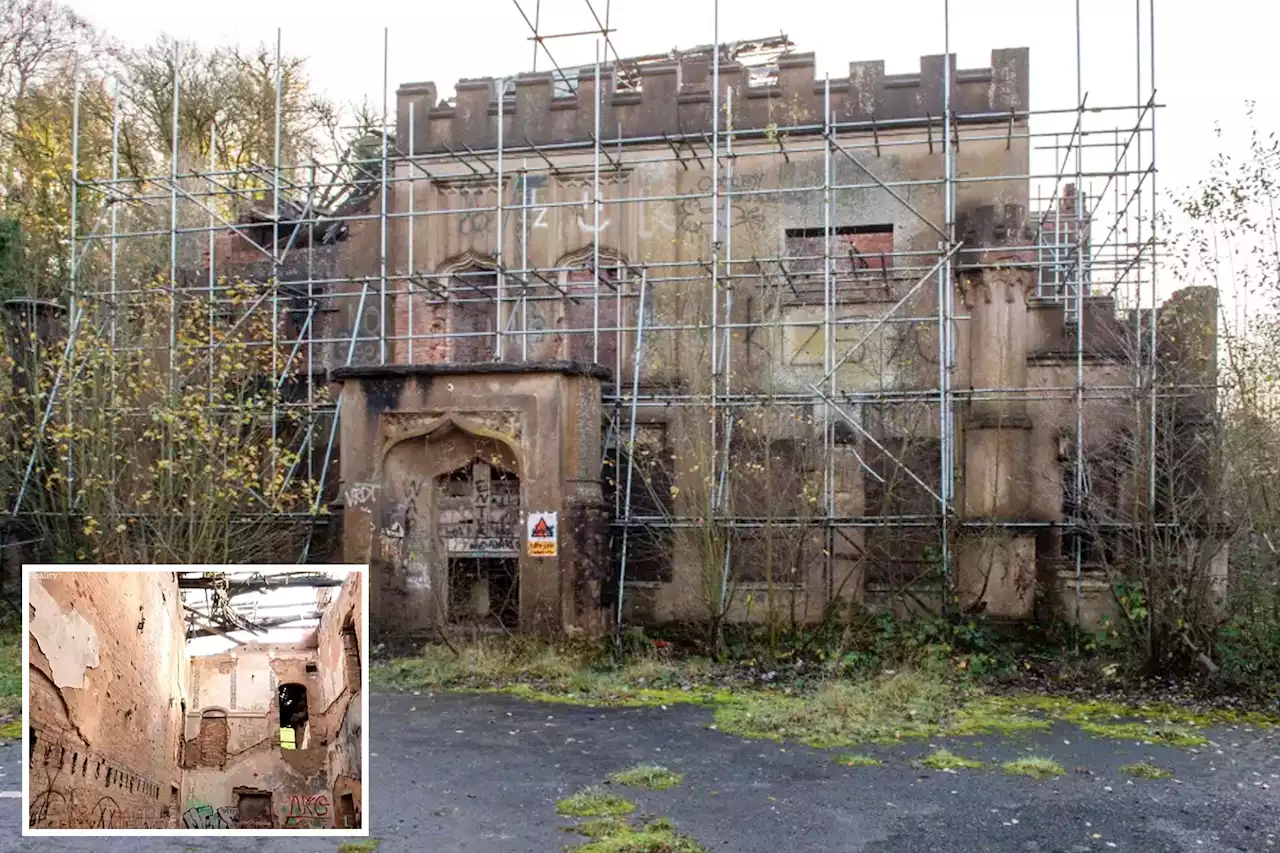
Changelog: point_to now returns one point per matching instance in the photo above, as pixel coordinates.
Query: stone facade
(513, 330)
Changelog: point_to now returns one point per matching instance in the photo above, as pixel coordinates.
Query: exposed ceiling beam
(276, 622)
(260, 582)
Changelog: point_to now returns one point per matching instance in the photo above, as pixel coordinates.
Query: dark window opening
(253, 809)
(293, 716)
(582, 344)
(652, 474)
(483, 590)
(861, 257)
(311, 669)
(906, 548)
(351, 653)
(473, 315)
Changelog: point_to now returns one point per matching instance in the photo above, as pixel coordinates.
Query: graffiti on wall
(58, 810)
(207, 817)
(306, 812)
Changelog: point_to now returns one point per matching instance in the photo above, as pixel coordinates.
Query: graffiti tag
(306, 812)
(207, 817)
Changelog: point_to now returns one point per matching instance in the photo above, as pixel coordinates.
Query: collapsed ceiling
(245, 606)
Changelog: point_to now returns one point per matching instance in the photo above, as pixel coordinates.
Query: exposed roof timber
(263, 624)
(257, 582)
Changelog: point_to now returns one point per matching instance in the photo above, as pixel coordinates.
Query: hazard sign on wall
(542, 534)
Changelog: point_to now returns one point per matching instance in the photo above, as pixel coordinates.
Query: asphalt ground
(482, 774)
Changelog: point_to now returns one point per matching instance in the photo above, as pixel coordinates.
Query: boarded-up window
(768, 485)
(649, 541)
(212, 739)
(473, 317)
(581, 345)
(905, 547)
(861, 257)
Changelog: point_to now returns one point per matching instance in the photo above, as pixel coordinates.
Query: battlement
(671, 98)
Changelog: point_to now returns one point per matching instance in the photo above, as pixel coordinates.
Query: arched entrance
(478, 516)
(449, 544)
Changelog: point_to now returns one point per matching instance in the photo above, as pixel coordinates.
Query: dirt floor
(483, 774)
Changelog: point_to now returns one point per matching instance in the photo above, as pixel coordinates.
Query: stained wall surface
(108, 671)
(232, 750)
(342, 667)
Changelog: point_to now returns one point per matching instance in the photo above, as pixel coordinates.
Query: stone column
(996, 570)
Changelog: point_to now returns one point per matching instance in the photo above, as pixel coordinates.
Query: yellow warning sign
(542, 534)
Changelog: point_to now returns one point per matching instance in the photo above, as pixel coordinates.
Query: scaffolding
(1093, 193)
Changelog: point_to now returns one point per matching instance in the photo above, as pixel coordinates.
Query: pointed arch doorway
(478, 513)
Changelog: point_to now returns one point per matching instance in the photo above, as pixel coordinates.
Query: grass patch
(1142, 770)
(365, 845)
(567, 674)
(649, 776)
(881, 710)
(928, 701)
(598, 828)
(594, 802)
(1036, 768)
(945, 759)
(10, 673)
(853, 759)
(1167, 735)
(617, 836)
(11, 729)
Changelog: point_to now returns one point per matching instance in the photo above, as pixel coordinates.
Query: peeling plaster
(68, 640)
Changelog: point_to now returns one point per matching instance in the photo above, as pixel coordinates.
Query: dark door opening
(484, 590)
(348, 817)
(351, 653)
(293, 716)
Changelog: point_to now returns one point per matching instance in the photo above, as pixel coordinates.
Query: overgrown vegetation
(945, 759)
(853, 759)
(365, 845)
(618, 836)
(820, 705)
(10, 682)
(651, 776)
(1143, 770)
(594, 802)
(1035, 767)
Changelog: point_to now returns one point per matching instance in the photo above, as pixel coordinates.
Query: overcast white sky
(1210, 58)
(288, 601)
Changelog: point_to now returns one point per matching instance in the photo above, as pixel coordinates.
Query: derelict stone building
(763, 343)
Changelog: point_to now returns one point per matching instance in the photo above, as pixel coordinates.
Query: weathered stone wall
(107, 674)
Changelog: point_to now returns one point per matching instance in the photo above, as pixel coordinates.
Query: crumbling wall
(342, 668)
(107, 673)
(237, 773)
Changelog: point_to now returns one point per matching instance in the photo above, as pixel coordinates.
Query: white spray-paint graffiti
(362, 495)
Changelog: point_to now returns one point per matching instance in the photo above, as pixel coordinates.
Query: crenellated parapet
(674, 99)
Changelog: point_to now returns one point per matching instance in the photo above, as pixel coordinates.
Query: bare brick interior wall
(107, 670)
(129, 732)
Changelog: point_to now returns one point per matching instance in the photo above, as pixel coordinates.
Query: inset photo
(195, 700)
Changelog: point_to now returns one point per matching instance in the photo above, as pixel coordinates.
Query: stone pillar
(996, 571)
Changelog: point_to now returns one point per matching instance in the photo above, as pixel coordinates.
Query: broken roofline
(674, 102)
(762, 54)
(254, 582)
